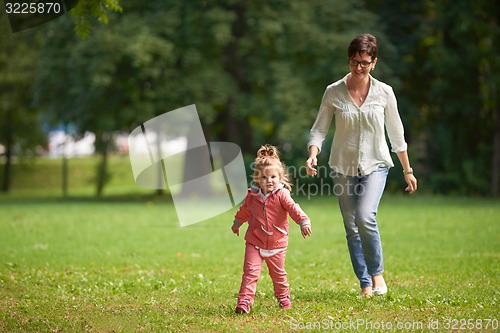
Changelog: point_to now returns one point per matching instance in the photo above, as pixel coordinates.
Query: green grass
(118, 265)
(121, 263)
(41, 177)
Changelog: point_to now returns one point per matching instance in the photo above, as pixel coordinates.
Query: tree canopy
(257, 69)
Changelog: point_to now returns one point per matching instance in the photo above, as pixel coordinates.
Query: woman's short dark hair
(364, 43)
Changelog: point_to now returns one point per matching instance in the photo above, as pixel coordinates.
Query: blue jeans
(359, 197)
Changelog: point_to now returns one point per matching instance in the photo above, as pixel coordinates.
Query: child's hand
(236, 230)
(306, 230)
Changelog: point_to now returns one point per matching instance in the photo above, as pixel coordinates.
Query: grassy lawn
(75, 265)
(121, 263)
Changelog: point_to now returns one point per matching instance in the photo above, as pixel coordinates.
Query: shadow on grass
(115, 198)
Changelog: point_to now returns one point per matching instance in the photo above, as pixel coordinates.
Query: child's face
(269, 179)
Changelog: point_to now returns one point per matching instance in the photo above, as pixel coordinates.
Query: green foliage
(257, 70)
(450, 93)
(86, 10)
(20, 126)
(252, 69)
(102, 83)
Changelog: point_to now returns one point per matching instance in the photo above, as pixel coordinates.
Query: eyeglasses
(354, 63)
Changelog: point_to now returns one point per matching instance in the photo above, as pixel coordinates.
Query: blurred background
(72, 89)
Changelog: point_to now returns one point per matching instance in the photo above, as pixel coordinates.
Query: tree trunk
(237, 129)
(102, 169)
(161, 171)
(8, 153)
(495, 172)
(65, 175)
(197, 164)
(64, 167)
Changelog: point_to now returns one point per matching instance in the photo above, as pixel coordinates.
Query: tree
(86, 10)
(457, 57)
(20, 128)
(256, 70)
(100, 84)
(449, 98)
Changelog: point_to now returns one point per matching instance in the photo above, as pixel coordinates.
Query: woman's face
(361, 65)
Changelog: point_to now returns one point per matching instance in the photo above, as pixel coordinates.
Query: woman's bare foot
(365, 292)
(378, 281)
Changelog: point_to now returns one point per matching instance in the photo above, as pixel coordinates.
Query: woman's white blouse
(359, 144)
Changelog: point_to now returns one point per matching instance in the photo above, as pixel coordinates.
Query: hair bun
(268, 151)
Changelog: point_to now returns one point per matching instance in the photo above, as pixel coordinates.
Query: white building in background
(62, 144)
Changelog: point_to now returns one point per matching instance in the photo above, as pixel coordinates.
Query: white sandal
(378, 291)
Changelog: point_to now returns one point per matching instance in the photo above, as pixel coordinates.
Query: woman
(360, 159)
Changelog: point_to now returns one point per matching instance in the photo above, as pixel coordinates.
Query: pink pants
(251, 273)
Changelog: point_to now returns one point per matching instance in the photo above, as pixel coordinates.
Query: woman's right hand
(311, 162)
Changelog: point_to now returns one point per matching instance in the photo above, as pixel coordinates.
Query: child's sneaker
(243, 307)
(285, 302)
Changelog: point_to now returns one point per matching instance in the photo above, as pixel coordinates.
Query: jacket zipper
(267, 223)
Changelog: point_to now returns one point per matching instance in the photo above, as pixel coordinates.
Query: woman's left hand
(412, 183)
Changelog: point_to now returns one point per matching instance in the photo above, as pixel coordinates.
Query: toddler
(266, 208)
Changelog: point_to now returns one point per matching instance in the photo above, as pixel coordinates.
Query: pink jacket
(268, 221)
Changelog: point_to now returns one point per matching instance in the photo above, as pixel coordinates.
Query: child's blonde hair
(268, 156)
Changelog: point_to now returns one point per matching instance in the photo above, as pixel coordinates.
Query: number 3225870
(32, 8)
